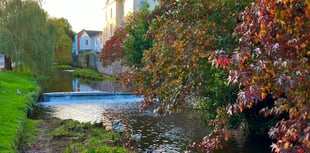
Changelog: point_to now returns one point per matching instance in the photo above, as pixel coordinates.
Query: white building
(1, 61)
(116, 10)
(88, 40)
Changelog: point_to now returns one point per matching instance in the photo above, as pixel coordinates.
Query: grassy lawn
(13, 107)
(91, 75)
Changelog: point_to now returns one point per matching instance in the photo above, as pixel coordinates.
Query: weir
(88, 96)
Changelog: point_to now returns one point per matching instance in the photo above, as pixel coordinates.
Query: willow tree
(27, 39)
(63, 48)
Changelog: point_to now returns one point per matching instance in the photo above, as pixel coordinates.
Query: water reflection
(82, 85)
(60, 81)
(76, 85)
(63, 81)
(170, 133)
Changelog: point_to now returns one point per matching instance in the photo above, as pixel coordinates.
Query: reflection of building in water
(76, 85)
(80, 85)
(108, 86)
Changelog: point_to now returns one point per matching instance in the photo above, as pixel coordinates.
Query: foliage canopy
(264, 49)
(25, 35)
(272, 58)
(176, 67)
(136, 43)
(114, 47)
(63, 48)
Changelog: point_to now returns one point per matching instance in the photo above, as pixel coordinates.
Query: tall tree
(63, 48)
(176, 67)
(136, 43)
(25, 35)
(68, 28)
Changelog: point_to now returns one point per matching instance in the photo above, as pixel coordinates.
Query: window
(86, 42)
(106, 32)
(122, 14)
(111, 13)
(111, 30)
(122, 10)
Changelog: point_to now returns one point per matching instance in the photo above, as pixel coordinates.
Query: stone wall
(82, 61)
(114, 69)
(93, 62)
(93, 59)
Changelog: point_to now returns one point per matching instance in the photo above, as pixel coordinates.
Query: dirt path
(43, 139)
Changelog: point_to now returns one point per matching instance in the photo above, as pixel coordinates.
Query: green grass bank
(90, 74)
(69, 136)
(14, 106)
(62, 67)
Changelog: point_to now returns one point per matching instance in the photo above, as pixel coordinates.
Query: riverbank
(92, 75)
(86, 73)
(17, 93)
(67, 136)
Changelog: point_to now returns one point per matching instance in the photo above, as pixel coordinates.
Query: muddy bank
(59, 136)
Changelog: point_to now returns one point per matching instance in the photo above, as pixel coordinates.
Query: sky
(81, 14)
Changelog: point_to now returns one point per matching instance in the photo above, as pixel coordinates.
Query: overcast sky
(82, 14)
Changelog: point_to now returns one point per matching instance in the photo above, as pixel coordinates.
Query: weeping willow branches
(25, 35)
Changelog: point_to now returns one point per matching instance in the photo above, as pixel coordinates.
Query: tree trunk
(8, 63)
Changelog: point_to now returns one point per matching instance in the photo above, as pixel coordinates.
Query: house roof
(92, 33)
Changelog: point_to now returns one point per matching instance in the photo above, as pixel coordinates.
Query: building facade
(87, 40)
(116, 10)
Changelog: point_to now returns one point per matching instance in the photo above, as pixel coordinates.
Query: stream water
(169, 133)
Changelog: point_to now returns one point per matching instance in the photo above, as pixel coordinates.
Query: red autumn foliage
(114, 47)
(273, 58)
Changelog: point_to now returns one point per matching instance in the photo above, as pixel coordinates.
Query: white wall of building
(109, 20)
(85, 42)
(119, 10)
(98, 43)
